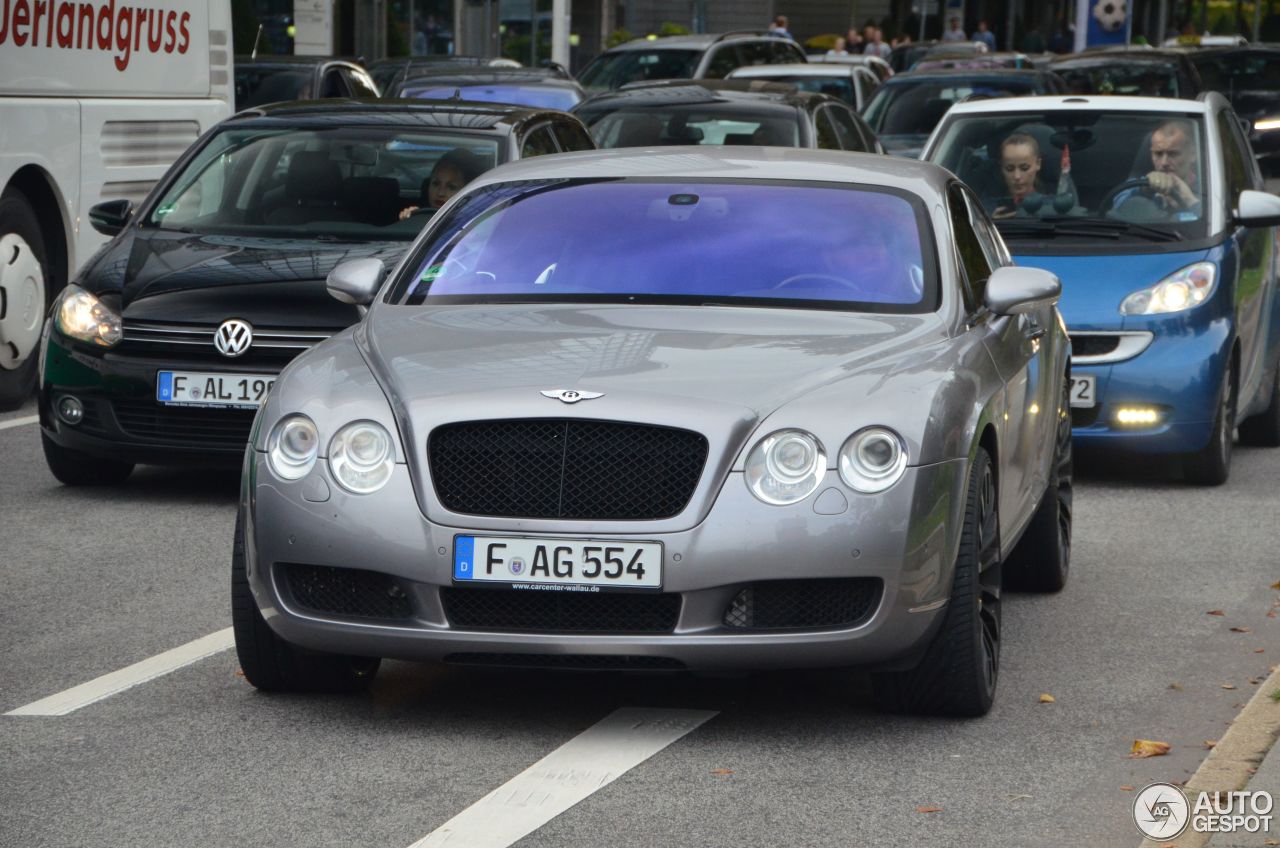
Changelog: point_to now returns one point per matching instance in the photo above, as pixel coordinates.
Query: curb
(1236, 756)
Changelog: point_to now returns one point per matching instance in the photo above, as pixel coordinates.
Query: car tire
(25, 286)
(73, 468)
(272, 664)
(1211, 466)
(958, 672)
(1042, 558)
(1263, 430)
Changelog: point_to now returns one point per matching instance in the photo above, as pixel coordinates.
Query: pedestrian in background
(875, 44)
(779, 27)
(853, 41)
(839, 48)
(955, 33)
(985, 36)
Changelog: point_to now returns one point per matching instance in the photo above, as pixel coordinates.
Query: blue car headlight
(1184, 289)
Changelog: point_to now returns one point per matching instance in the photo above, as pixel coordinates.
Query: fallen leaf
(1177, 687)
(722, 771)
(1143, 748)
(1271, 614)
(1047, 699)
(1242, 630)
(928, 809)
(1215, 612)
(1228, 686)
(1272, 842)
(1259, 650)
(1018, 797)
(1210, 743)
(1255, 680)
(1276, 585)
(1126, 788)
(239, 672)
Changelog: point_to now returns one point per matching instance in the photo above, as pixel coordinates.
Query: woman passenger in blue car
(1020, 165)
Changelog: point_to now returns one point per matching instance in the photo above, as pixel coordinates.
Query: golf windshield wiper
(1115, 225)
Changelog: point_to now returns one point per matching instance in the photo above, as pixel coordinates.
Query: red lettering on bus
(168, 28)
(4, 23)
(21, 18)
(139, 22)
(106, 23)
(155, 30)
(84, 27)
(186, 32)
(65, 24)
(124, 37)
(38, 10)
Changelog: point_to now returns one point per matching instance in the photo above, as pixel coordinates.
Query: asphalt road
(95, 580)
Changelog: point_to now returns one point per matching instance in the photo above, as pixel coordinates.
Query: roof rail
(736, 32)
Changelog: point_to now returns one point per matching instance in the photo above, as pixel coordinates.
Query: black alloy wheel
(958, 674)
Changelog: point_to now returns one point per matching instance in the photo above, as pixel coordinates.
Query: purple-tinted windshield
(537, 96)
(852, 247)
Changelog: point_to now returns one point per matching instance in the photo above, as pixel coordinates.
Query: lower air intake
(800, 604)
(346, 592)
(560, 612)
(586, 662)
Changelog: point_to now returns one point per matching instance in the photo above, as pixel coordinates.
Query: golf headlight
(1183, 289)
(82, 316)
(1267, 124)
(785, 467)
(872, 460)
(362, 457)
(292, 447)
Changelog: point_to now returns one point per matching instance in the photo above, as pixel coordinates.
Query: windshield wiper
(1085, 227)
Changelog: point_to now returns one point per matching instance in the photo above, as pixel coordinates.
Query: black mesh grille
(1084, 416)
(184, 425)
(346, 592)
(560, 612)
(557, 468)
(1093, 345)
(582, 661)
(783, 604)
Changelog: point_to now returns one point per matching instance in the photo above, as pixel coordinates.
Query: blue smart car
(1151, 211)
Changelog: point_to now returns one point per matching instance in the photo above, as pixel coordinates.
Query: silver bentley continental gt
(678, 408)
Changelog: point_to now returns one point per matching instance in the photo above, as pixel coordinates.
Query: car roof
(1117, 57)
(1076, 102)
(738, 163)
(444, 74)
(453, 114)
(809, 69)
(692, 42)
(262, 61)
(675, 92)
(968, 74)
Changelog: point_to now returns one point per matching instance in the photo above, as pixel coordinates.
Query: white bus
(97, 99)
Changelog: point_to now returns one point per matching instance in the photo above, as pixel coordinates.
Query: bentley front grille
(565, 468)
(191, 426)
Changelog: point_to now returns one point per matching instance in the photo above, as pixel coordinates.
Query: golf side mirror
(110, 216)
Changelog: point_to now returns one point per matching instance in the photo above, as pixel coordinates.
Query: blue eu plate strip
(464, 557)
(164, 391)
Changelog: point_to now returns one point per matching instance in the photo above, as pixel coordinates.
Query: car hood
(1093, 286)
(749, 358)
(170, 276)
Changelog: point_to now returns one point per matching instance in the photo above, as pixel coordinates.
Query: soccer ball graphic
(1110, 14)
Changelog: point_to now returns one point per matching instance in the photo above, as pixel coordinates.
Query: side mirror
(111, 216)
(1257, 209)
(356, 281)
(1012, 290)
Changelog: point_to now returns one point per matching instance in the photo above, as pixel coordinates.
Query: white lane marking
(19, 422)
(126, 678)
(585, 764)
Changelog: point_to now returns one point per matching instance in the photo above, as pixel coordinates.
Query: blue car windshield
(858, 248)
(535, 96)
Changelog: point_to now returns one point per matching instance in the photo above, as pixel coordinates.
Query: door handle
(1034, 329)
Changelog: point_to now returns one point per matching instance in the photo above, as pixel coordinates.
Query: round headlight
(293, 446)
(785, 467)
(362, 457)
(872, 460)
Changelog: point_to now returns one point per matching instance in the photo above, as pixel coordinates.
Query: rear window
(257, 85)
(840, 88)
(535, 96)
(741, 243)
(914, 108)
(613, 70)
(711, 123)
(1139, 79)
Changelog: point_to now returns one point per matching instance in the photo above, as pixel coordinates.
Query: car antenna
(457, 94)
(253, 56)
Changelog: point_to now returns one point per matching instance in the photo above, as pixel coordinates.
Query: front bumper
(1180, 373)
(124, 421)
(904, 539)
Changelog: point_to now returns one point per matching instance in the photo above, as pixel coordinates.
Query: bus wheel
(24, 302)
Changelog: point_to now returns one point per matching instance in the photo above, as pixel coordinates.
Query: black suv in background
(1249, 77)
(162, 347)
(274, 79)
(686, 57)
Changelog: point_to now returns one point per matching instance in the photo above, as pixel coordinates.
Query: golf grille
(591, 662)
(558, 468)
(786, 604)
(346, 592)
(560, 612)
(181, 425)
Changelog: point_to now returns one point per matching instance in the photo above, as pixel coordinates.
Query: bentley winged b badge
(570, 395)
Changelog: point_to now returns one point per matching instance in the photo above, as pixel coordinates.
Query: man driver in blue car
(1174, 184)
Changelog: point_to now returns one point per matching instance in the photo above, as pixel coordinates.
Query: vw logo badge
(233, 337)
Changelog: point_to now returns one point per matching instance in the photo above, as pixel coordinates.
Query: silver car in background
(681, 409)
